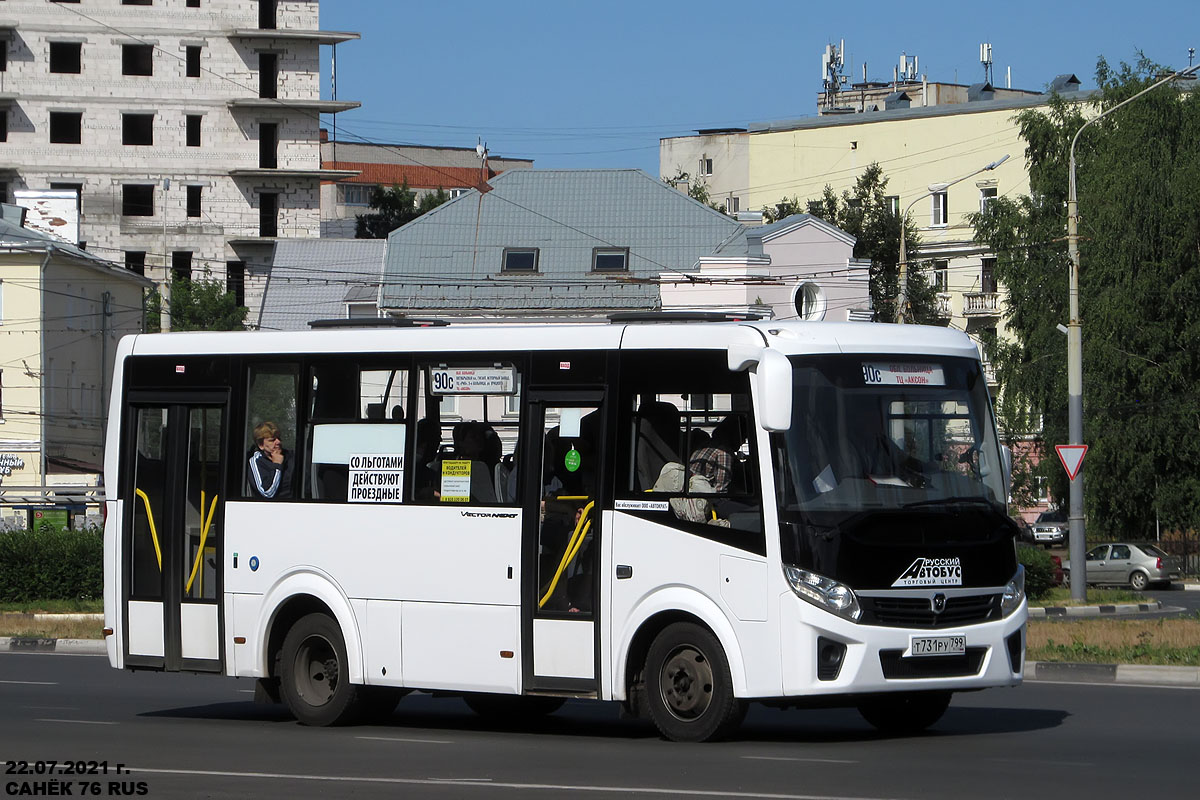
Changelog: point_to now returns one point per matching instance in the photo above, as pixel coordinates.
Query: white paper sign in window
(473, 380)
(901, 374)
(376, 478)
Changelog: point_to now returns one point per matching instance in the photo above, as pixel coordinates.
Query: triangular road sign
(1071, 456)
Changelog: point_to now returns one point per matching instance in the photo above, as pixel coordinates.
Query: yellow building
(62, 311)
(919, 148)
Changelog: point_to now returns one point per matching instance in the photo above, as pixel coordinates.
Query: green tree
(865, 212)
(197, 305)
(395, 206)
(1139, 293)
(698, 191)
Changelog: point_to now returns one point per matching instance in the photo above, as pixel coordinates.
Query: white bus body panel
(659, 555)
(113, 585)
(198, 631)
(146, 637)
(564, 648)
(460, 601)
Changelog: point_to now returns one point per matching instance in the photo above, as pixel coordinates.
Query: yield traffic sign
(1071, 456)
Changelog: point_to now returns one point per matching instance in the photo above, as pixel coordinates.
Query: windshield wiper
(952, 502)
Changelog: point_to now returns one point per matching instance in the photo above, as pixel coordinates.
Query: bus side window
(271, 397)
(357, 433)
(689, 425)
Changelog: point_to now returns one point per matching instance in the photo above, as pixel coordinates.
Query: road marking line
(1043, 761)
(550, 787)
(789, 758)
(51, 708)
(79, 721)
(398, 739)
(33, 683)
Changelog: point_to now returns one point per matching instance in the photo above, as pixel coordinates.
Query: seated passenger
(270, 464)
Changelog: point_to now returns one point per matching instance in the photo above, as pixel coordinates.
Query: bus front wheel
(904, 712)
(315, 680)
(688, 686)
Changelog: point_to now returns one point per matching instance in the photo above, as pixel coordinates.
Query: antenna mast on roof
(832, 78)
(985, 58)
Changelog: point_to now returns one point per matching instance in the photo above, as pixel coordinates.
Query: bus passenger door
(174, 500)
(561, 541)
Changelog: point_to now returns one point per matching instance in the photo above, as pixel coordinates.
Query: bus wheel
(904, 712)
(314, 679)
(512, 707)
(688, 686)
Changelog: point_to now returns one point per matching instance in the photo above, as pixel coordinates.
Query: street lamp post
(1076, 542)
(934, 188)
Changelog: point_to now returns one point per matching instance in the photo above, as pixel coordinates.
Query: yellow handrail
(150, 518)
(204, 524)
(581, 529)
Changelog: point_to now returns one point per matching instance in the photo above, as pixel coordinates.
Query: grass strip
(1163, 642)
(54, 607)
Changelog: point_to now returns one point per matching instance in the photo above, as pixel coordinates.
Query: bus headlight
(1014, 592)
(824, 592)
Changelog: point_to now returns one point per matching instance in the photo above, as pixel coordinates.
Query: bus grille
(931, 666)
(916, 612)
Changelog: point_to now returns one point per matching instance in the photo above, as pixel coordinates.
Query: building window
(181, 265)
(66, 127)
(235, 281)
(137, 2)
(733, 205)
(610, 259)
(939, 215)
(268, 214)
(268, 141)
(940, 275)
(986, 196)
(3, 55)
(893, 204)
(361, 311)
(354, 194)
(519, 259)
(193, 200)
(66, 57)
(3, 132)
(137, 59)
(267, 14)
(137, 200)
(456, 192)
(987, 276)
(705, 167)
(193, 130)
(3, 191)
(137, 129)
(135, 261)
(193, 61)
(193, 3)
(810, 302)
(268, 66)
(77, 188)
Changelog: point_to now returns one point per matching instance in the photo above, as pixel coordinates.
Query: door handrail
(204, 525)
(150, 519)
(581, 529)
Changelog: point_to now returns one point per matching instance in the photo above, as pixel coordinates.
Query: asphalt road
(202, 736)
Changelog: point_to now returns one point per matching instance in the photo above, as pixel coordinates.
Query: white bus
(678, 516)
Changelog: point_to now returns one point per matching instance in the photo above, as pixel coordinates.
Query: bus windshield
(891, 434)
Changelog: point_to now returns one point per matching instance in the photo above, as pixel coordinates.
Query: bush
(49, 564)
(1039, 571)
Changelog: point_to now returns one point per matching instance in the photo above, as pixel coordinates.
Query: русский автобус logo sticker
(932, 572)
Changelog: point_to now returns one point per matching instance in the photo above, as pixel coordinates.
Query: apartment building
(188, 128)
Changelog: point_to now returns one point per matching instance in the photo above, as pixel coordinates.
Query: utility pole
(1077, 541)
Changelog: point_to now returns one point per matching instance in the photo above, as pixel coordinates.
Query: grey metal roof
(310, 279)
(450, 259)
(17, 237)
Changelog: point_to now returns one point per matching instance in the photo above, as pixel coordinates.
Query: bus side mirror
(1006, 460)
(773, 374)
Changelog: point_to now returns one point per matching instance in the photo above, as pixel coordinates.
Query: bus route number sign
(902, 374)
(472, 380)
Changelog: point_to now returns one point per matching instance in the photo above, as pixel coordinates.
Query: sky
(575, 84)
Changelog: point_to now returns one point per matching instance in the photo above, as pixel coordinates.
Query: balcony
(312, 104)
(981, 304)
(320, 37)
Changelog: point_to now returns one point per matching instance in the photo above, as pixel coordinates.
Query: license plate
(937, 646)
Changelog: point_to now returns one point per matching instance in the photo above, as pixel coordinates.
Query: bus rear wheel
(904, 712)
(315, 680)
(689, 690)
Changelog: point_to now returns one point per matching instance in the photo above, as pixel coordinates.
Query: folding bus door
(173, 495)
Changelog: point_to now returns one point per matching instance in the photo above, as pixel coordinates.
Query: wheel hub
(316, 671)
(687, 683)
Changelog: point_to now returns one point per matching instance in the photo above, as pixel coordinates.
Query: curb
(1094, 611)
(82, 647)
(1138, 674)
